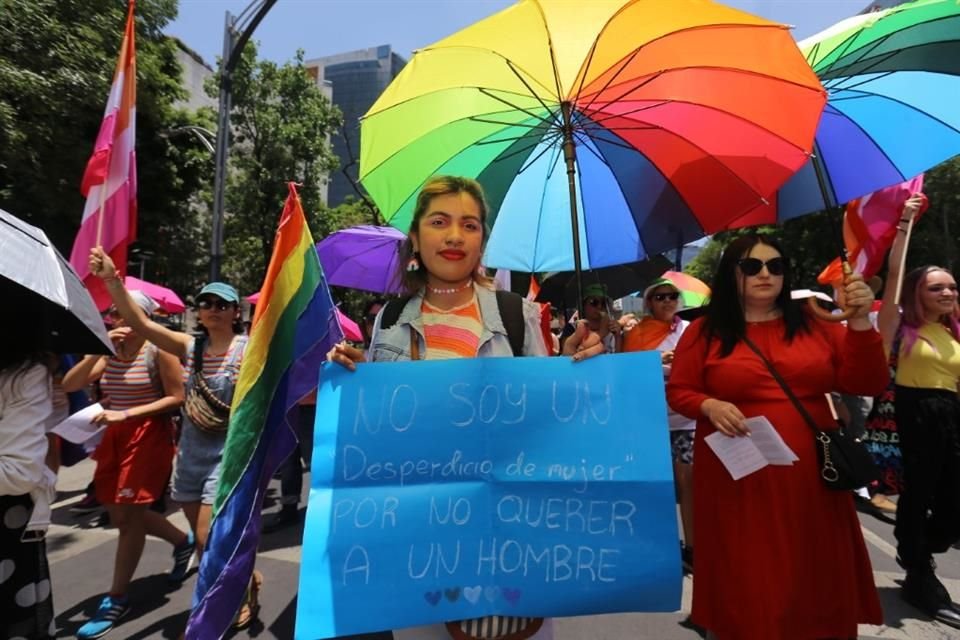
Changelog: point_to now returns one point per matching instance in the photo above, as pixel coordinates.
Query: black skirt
(25, 590)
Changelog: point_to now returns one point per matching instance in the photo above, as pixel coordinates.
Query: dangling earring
(413, 264)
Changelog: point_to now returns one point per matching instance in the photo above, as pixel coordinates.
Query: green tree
(280, 124)
(57, 59)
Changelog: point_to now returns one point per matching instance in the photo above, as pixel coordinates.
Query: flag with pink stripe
(110, 179)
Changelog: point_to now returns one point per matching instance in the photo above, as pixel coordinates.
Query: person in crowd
(212, 365)
(598, 319)
(779, 555)
(660, 330)
(927, 409)
(452, 310)
(370, 312)
(27, 484)
(141, 387)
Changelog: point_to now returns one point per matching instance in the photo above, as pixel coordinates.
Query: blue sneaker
(182, 558)
(108, 614)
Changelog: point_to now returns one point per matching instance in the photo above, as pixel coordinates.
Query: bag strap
(510, 306)
(776, 376)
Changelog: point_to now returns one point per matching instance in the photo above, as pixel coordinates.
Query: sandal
(250, 608)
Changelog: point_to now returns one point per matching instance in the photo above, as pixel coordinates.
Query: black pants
(291, 475)
(928, 514)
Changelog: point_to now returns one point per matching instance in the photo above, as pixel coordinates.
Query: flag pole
(903, 261)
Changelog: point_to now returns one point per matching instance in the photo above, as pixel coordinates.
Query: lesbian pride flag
(869, 227)
(110, 180)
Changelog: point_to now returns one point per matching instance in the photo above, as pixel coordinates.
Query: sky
(325, 27)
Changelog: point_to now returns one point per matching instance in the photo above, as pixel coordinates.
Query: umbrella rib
(529, 88)
(589, 148)
(550, 140)
(600, 121)
(905, 104)
(836, 82)
(485, 92)
(506, 124)
(610, 80)
(859, 84)
(530, 162)
(536, 134)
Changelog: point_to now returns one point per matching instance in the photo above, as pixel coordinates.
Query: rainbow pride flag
(294, 327)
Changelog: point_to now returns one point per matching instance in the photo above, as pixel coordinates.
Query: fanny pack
(205, 410)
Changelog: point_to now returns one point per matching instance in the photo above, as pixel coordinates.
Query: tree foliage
(280, 124)
(811, 241)
(57, 59)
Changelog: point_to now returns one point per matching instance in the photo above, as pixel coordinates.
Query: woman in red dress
(779, 556)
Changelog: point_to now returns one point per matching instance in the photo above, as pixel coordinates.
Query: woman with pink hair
(928, 421)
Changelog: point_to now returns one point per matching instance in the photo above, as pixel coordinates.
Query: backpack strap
(509, 304)
(511, 313)
(391, 312)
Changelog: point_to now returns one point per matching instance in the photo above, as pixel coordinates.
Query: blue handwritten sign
(513, 486)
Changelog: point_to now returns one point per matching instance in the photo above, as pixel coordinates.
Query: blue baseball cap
(221, 290)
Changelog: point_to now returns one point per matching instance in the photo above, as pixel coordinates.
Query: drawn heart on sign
(511, 595)
(491, 593)
(452, 594)
(433, 597)
(472, 594)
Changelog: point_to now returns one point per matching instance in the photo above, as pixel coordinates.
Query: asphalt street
(81, 563)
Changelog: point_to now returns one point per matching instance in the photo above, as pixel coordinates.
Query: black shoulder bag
(845, 463)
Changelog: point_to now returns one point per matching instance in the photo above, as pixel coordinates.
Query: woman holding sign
(452, 311)
(779, 555)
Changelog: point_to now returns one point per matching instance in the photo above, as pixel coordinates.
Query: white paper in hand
(769, 442)
(78, 428)
(739, 455)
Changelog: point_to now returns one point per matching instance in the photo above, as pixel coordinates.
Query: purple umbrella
(362, 257)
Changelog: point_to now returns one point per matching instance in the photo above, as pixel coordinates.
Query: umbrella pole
(570, 158)
(829, 205)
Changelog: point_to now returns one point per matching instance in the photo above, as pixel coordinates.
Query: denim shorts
(196, 470)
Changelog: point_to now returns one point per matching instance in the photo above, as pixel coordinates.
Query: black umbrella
(38, 286)
(560, 289)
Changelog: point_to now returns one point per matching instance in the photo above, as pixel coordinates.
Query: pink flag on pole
(869, 226)
(110, 180)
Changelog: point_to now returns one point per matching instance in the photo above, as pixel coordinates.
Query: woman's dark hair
(413, 281)
(725, 317)
(25, 343)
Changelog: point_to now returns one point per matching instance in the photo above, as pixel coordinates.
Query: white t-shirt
(25, 405)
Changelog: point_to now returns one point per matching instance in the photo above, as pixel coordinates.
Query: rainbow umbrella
(893, 81)
(579, 119)
(693, 291)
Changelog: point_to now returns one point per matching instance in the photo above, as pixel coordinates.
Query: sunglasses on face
(593, 302)
(219, 305)
(660, 297)
(753, 266)
(937, 288)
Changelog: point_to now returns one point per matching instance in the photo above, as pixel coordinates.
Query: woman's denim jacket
(393, 344)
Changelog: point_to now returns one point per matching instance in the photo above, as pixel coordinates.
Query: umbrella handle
(823, 314)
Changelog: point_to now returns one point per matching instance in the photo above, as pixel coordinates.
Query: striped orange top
(127, 383)
(452, 333)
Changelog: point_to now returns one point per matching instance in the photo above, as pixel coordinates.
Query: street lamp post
(237, 31)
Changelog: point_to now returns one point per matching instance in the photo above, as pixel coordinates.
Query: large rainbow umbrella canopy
(683, 115)
(893, 83)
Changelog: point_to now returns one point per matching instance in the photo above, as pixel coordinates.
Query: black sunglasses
(660, 297)
(753, 266)
(593, 302)
(220, 305)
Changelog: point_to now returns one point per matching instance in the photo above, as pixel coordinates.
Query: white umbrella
(38, 285)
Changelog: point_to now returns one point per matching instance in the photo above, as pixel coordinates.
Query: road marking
(879, 543)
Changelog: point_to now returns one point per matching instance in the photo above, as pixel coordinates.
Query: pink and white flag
(110, 180)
